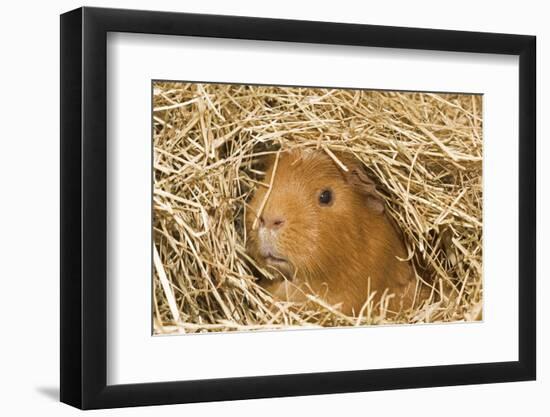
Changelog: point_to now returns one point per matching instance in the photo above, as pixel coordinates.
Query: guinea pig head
(311, 221)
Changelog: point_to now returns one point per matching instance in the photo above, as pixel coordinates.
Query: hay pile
(425, 150)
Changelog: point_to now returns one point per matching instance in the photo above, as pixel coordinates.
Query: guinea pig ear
(358, 178)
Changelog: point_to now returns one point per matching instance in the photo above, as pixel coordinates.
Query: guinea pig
(322, 226)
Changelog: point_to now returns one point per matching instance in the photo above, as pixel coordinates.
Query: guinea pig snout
(271, 222)
(268, 234)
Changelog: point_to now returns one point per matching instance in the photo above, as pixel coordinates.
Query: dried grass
(425, 151)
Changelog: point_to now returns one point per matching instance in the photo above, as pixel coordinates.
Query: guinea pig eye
(325, 198)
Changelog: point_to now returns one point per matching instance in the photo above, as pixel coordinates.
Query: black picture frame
(84, 207)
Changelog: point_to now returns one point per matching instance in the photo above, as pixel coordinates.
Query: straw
(424, 150)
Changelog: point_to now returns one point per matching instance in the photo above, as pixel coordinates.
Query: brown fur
(333, 250)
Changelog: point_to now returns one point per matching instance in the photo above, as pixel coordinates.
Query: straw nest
(424, 150)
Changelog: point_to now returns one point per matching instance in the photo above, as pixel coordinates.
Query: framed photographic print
(256, 208)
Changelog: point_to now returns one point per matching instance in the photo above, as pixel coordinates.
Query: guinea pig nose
(273, 222)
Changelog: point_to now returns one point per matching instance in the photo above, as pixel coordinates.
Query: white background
(29, 173)
(130, 346)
